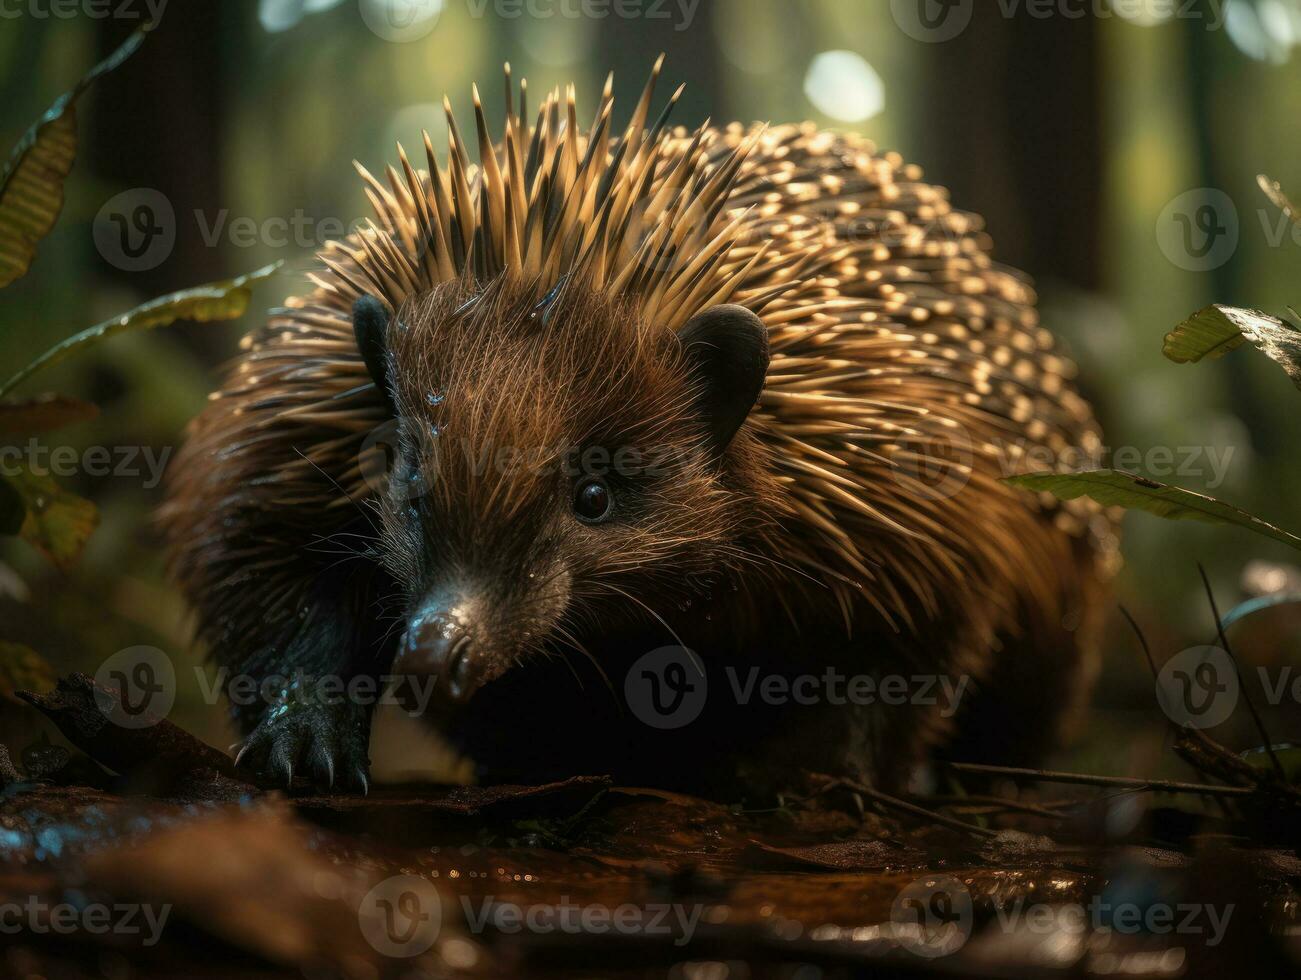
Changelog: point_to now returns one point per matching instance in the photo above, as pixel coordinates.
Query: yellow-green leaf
(1216, 330)
(1116, 488)
(23, 669)
(1209, 333)
(58, 523)
(31, 185)
(1288, 756)
(44, 413)
(223, 300)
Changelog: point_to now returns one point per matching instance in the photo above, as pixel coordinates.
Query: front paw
(323, 742)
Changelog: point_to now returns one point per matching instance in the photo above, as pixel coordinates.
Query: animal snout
(440, 643)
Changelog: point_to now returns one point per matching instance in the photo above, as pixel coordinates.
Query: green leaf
(23, 669)
(1115, 488)
(58, 523)
(44, 413)
(1209, 333)
(31, 184)
(1216, 330)
(223, 300)
(1289, 757)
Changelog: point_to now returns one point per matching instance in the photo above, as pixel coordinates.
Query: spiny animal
(747, 390)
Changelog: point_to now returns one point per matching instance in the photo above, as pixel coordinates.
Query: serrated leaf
(31, 185)
(1209, 333)
(223, 300)
(1274, 191)
(44, 413)
(23, 669)
(58, 523)
(1116, 488)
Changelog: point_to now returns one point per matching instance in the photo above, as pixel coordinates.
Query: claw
(317, 743)
(281, 764)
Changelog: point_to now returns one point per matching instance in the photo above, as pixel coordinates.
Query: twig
(1087, 779)
(1251, 706)
(885, 799)
(1147, 651)
(996, 803)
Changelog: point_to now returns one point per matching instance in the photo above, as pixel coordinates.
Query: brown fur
(860, 510)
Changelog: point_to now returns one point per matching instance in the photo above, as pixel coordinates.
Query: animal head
(555, 462)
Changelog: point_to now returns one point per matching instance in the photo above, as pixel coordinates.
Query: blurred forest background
(1074, 136)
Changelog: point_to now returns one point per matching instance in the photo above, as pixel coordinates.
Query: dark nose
(439, 644)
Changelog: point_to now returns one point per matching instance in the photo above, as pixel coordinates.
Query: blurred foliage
(307, 87)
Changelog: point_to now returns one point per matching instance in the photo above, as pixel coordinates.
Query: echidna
(746, 389)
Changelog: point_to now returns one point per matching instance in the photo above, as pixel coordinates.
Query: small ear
(727, 347)
(370, 325)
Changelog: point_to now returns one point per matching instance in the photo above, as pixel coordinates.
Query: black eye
(593, 501)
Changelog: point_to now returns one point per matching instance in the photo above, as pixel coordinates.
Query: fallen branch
(894, 803)
(995, 804)
(1087, 779)
(159, 754)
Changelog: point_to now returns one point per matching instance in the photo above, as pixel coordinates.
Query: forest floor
(149, 856)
